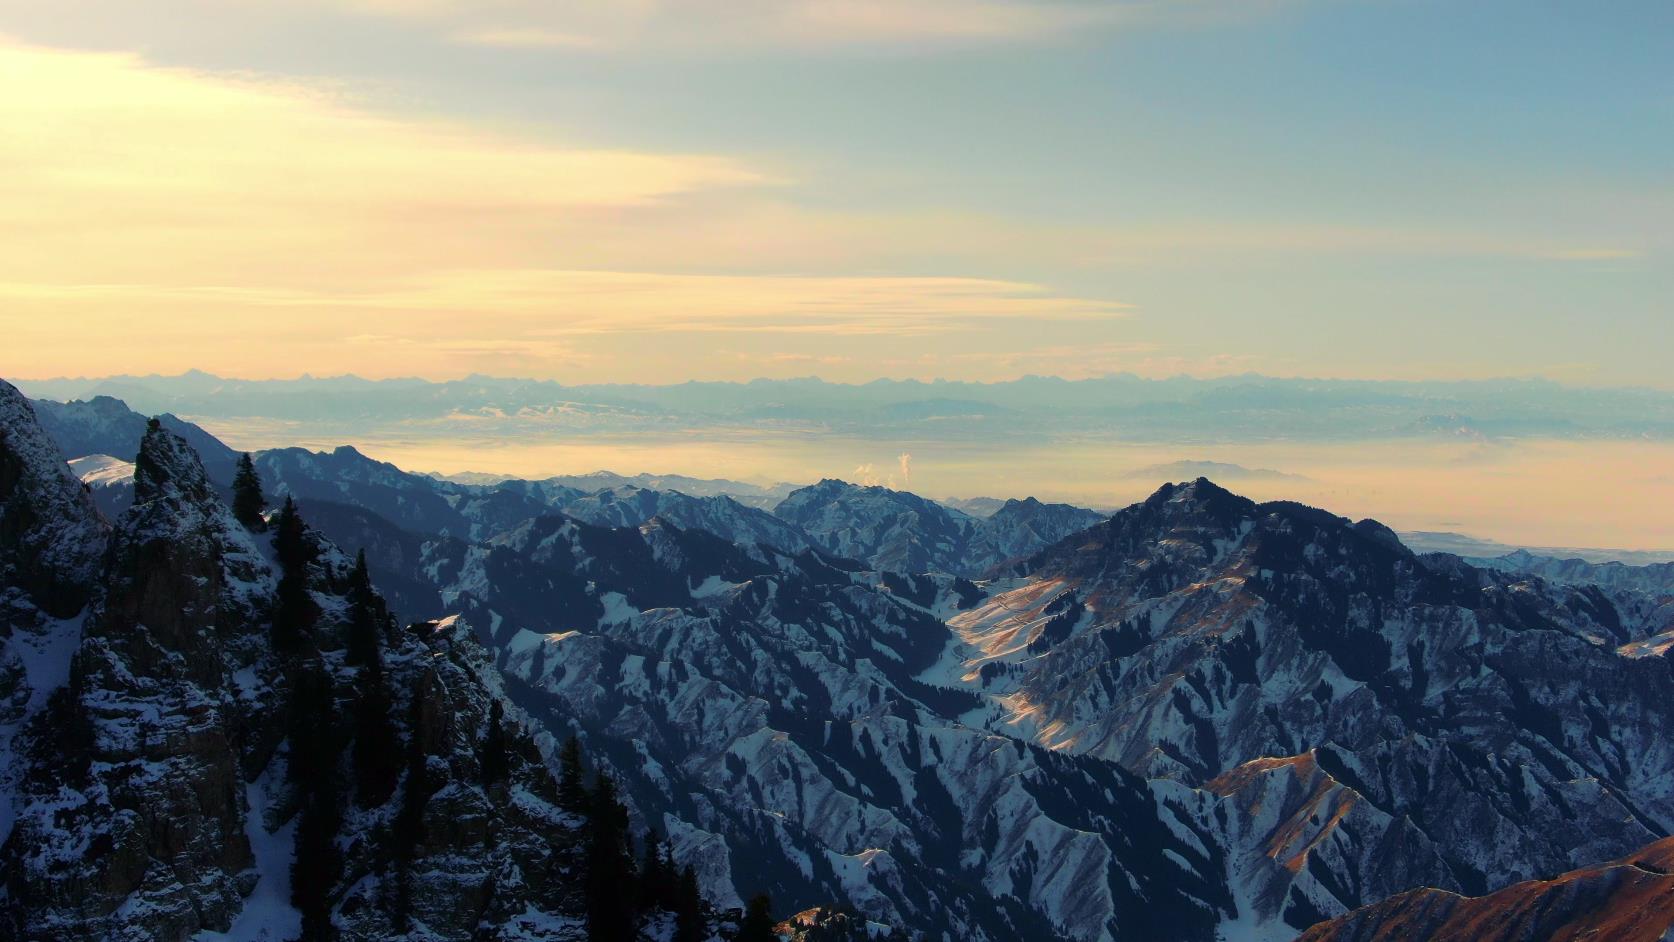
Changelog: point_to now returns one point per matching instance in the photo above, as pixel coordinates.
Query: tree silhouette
(572, 790)
(248, 503)
(691, 921)
(315, 752)
(294, 610)
(758, 921)
(611, 885)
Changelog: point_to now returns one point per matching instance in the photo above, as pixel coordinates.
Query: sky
(662, 190)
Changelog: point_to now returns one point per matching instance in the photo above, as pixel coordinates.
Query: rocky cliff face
(52, 543)
(51, 539)
(142, 807)
(157, 796)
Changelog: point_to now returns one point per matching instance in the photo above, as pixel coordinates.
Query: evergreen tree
(758, 921)
(495, 761)
(691, 922)
(572, 793)
(294, 611)
(409, 821)
(658, 883)
(611, 887)
(248, 502)
(315, 751)
(377, 750)
(367, 615)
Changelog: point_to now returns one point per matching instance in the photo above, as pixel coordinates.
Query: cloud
(205, 218)
(799, 25)
(1187, 469)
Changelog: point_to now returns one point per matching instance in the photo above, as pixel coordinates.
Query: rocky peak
(51, 536)
(168, 469)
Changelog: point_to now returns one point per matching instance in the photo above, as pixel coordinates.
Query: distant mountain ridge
(1248, 407)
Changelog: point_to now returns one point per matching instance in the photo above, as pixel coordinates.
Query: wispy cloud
(795, 24)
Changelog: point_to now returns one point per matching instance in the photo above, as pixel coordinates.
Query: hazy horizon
(1525, 463)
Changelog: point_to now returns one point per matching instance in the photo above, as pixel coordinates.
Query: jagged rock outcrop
(51, 539)
(142, 806)
(159, 794)
(1628, 900)
(52, 543)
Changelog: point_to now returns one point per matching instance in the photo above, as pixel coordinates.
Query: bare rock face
(502, 855)
(156, 796)
(135, 828)
(52, 543)
(1628, 900)
(51, 537)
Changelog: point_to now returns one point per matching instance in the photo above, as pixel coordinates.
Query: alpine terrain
(311, 694)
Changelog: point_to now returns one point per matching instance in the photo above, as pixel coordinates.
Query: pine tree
(572, 793)
(758, 921)
(315, 751)
(366, 615)
(495, 761)
(248, 502)
(377, 750)
(611, 886)
(691, 922)
(294, 611)
(657, 882)
(409, 821)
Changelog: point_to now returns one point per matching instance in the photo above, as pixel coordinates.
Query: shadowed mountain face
(1487, 727)
(104, 425)
(1202, 717)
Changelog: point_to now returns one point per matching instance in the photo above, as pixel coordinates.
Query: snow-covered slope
(629, 506)
(110, 480)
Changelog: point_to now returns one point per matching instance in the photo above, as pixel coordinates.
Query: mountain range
(1236, 408)
(1198, 718)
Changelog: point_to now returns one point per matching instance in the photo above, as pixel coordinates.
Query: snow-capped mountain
(1655, 578)
(104, 425)
(902, 532)
(1435, 723)
(629, 506)
(1200, 719)
(110, 480)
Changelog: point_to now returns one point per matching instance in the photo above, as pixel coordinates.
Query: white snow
(268, 915)
(102, 470)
